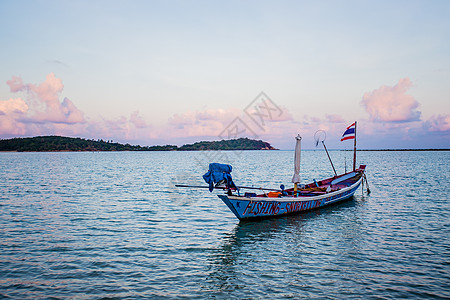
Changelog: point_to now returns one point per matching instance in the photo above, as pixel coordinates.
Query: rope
(367, 183)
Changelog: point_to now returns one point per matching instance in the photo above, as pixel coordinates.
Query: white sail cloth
(296, 178)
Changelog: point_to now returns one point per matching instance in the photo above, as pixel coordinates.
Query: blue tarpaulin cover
(217, 173)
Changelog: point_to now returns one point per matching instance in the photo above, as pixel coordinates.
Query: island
(61, 143)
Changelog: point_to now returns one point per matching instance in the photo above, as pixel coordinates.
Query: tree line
(60, 143)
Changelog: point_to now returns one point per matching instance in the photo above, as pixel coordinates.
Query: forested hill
(60, 143)
(237, 144)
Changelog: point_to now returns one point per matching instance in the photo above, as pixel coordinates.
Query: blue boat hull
(257, 207)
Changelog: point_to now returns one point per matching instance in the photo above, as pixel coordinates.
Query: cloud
(49, 90)
(15, 84)
(41, 112)
(47, 95)
(13, 106)
(204, 123)
(137, 120)
(108, 128)
(132, 129)
(334, 118)
(391, 104)
(57, 62)
(285, 115)
(329, 120)
(44, 103)
(215, 124)
(438, 123)
(10, 111)
(64, 112)
(315, 120)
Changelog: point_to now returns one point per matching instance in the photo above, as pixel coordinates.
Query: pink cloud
(13, 106)
(47, 95)
(438, 123)
(15, 84)
(137, 120)
(208, 122)
(273, 113)
(10, 127)
(329, 120)
(65, 112)
(334, 118)
(10, 111)
(214, 124)
(41, 111)
(315, 120)
(119, 125)
(284, 116)
(44, 104)
(44, 113)
(49, 90)
(391, 103)
(132, 129)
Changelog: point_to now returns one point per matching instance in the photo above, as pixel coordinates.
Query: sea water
(97, 225)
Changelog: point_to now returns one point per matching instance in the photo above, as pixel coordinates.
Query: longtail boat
(276, 202)
(311, 196)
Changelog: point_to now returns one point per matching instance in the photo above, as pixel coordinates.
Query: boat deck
(316, 188)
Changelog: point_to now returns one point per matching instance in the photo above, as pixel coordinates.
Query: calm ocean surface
(112, 225)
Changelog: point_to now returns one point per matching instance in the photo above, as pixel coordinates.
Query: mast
(354, 151)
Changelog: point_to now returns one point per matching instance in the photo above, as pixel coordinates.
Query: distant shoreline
(400, 150)
(381, 150)
(362, 150)
(69, 144)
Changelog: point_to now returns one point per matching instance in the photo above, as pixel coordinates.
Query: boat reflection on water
(257, 253)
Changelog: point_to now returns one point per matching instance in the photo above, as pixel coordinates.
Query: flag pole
(354, 151)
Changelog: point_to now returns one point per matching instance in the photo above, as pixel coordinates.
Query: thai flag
(349, 133)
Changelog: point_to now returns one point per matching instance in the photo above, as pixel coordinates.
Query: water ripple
(113, 226)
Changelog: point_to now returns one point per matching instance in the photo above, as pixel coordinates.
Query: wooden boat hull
(257, 207)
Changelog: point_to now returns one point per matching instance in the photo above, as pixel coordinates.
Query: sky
(176, 72)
